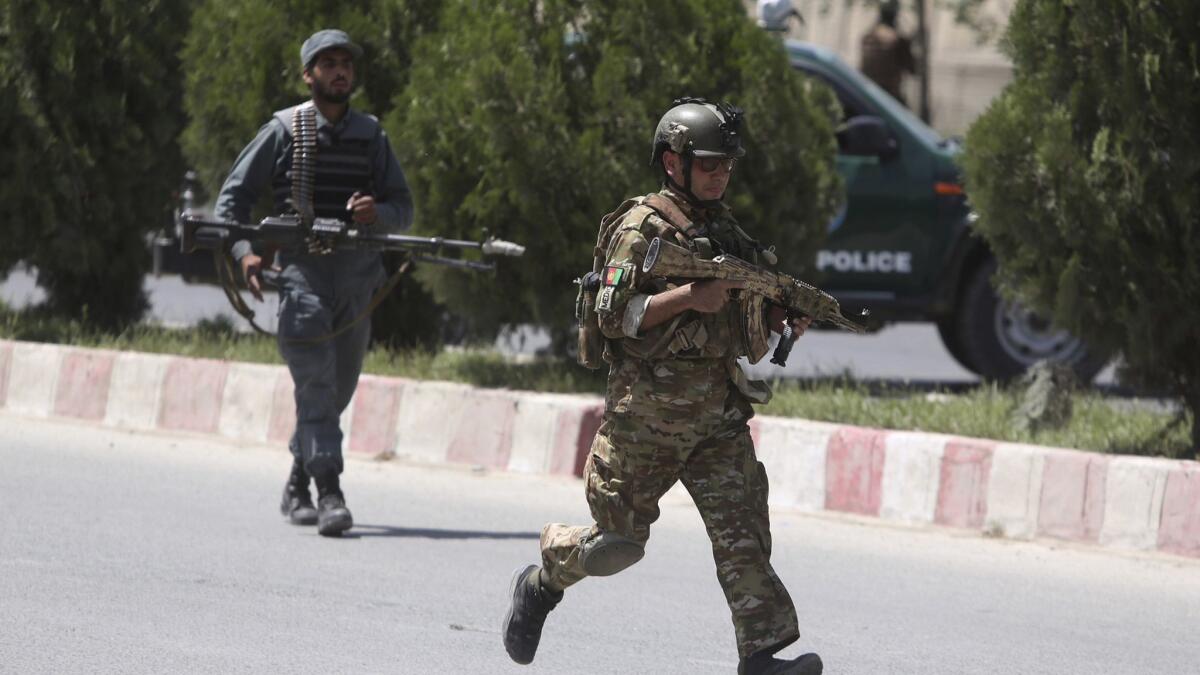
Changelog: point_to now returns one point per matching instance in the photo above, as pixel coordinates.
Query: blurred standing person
(321, 159)
(886, 54)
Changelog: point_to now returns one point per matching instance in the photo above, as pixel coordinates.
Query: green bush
(1086, 174)
(531, 120)
(89, 121)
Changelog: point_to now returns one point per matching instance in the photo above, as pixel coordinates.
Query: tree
(1086, 175)
(547, 123)
(90, 124)
(242, 60)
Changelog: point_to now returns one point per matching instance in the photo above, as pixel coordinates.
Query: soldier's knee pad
(608, 553)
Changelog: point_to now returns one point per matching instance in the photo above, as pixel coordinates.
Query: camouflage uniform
(677, 408)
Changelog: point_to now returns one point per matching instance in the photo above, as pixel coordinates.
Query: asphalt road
(138, 553)
(907, 352)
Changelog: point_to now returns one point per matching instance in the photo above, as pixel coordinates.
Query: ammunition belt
(304, 161)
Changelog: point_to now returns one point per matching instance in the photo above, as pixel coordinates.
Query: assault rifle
(664, 259)
(330, 234)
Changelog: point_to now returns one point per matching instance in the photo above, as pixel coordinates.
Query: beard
(320, 92)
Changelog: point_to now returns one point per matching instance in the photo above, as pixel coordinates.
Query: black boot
(297, 505)
(530, 603)
(764, 663)
(333, 518)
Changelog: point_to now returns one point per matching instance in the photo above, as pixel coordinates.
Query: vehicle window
(896, 110)
(851, 105)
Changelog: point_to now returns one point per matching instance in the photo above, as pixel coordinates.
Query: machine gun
(330, 234)
(322, 236)
(664, 259)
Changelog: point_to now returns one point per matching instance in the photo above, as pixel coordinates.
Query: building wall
(965, 73)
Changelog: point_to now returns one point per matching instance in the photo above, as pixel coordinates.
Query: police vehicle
(902, 243)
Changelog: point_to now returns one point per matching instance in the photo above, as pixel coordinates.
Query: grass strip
(983, 412)
(986, 411)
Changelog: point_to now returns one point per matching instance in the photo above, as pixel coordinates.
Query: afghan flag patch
(613, 275)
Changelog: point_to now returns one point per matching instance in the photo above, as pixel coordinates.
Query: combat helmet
(695, 127)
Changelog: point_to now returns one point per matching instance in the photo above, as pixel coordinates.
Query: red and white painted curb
(1012, 490)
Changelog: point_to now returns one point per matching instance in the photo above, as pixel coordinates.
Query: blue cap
(326, 39)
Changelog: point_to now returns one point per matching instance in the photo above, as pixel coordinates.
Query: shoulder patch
(613, 275)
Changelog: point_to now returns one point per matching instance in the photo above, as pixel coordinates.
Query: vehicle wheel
(1001, 339)
(948, 331)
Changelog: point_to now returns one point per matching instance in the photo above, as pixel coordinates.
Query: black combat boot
(531, 602)
(333, 518)
(297, 505)
(764, 663)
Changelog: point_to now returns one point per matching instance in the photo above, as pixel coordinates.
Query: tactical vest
(343, 166)
(739, 329)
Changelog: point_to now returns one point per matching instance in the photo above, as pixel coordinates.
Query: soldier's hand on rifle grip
(710, 296)
(777, 315)
(252, 273)
(801, 324)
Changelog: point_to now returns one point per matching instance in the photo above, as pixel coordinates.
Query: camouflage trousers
(685, 422)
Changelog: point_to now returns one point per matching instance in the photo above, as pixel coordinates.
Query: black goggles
(710, 164)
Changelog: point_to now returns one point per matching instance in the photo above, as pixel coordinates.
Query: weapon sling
(228, 276)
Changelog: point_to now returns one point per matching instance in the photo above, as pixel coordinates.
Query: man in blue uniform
(320, 159)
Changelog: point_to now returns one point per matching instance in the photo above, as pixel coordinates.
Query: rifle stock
(665, 259)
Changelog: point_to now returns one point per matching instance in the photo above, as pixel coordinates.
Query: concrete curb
(1005, 489)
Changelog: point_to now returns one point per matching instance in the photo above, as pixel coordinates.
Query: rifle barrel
(409, 241)
(201, 232)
